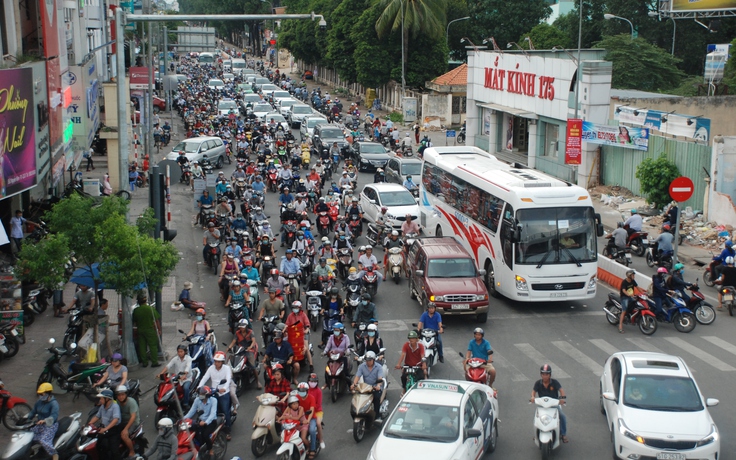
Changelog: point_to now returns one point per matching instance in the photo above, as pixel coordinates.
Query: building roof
(636, 94)
(457, 76)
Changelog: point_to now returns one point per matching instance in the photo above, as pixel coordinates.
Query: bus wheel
(438, 232)
(490, 279)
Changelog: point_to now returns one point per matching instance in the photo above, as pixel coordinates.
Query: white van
(206, 58)
(237, 66)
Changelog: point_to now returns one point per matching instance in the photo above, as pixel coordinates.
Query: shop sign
(574, 142)
(620, 136)
(524, 83)
(17, 131)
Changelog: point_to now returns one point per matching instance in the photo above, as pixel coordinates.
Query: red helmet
(205, 390)
(248, 262)
(274, 271)
(277, 367)
(200, 311)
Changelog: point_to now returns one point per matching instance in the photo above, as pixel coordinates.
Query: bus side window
(507, 234)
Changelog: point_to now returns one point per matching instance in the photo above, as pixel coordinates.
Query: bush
(655, 176)
(396, 117)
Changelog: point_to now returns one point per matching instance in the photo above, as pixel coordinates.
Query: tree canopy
(505, 20)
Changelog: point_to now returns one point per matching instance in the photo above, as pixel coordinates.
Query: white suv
(297, 113)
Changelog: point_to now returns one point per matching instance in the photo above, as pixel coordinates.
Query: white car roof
(441, 392)
(386, 187)
(648, 363)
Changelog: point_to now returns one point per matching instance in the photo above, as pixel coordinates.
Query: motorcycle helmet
(370, 355)
(413, 335)
(630, 272)
(620, 225)
(313, 377)
(296, 304)
(275, 271)
(478, 330)
(181, 346)
(219, 356)
(334, 291)
(277, 368)
(678, 266)
(353, 270)
(105, 394)
(633, 211)
(355, 199)
(666, 227)
(300, 233)
(339, 326)
(292, 399)
(289, 251)
(236, 283)
(322, 199)
(545, 369)
(121, 389)
(116, 357)
(368, 246)
(384, 209)
(361, 249)
(303, 386)
(394, 233)
(243, 323)
(664, 270)
(315, 276)
(264, 237)
(201, 311)
(729, 243)
(325, 240)
(366, 296)
(729, 260)
(205, 391)
(45, 388)
(165, 422)
(372, 327)
(248, 263)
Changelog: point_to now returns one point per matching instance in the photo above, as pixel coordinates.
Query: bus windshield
(556, 236)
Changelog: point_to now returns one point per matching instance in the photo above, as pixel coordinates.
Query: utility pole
(149, 96)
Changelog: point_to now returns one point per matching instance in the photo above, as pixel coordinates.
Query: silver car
(196, 147)
(298, 113)
(307, 128)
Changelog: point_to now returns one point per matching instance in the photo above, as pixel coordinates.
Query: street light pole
(579, 63)
(447, 31)
(654, 14)
(609, 16)
(403, 58)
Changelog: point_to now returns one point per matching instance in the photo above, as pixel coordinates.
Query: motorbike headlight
(521, 284)
(365, 407)
(436, 298)
(624, 430)
(545, 419)
(711, 438)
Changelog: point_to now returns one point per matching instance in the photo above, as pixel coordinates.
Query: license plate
(461, 306)
(14, 332)
(670, 456)
(728, 297)
(558, 294)
(645, 242)
(628, 256)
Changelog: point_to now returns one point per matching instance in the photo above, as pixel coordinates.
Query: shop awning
(511, 110)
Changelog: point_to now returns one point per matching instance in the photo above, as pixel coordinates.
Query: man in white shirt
(181, 365)
(216, 374)
(369, 260)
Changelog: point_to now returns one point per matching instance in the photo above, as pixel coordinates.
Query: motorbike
(678, 314)
(88, 450)
(710, 276)
(396, 263)
(266, 265)
(344, 262)
(323, 223)
(290, 227)
(265, 428)
(244, 373)
(642, 315)
(412, 375)
(22, 447)
(294, 292)
(292, 445)
(461, 136)
(655, 257)
(352, 299)
(9, 339)
(196, 344)
(428, 338)
(622, 256)
(337, 376)
(476, 371)
(14, 410)
(727, 293)
(547, 425)
(74, 328)
(268, 328)
(240, 187)
(305, 257)
(272, 180)
(362, 410)
(359, 335)
(703, 311)
(214, 256)
(370, 281)
(186, 175)
(637, 241)
(78, 378)
(169, 394)
(235, 314)
(255, 297)
(314, 308)
(354, 222)
(375, 234)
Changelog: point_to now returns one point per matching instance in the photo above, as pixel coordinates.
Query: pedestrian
(147, 319)
(90, 161)
(16, 229)
(416, 132)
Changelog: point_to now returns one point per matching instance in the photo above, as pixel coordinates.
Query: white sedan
(215, 84)
(395, 197)
(654, 409)
(261, 109)
(440, 420)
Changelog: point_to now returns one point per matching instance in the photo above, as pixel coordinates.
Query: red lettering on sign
(523, 83)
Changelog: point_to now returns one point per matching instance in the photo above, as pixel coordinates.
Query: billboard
(17, 131)
(702, 5)
(573, 142)
(675, 124)
(620, 136)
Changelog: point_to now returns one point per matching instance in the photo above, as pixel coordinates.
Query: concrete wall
(719, 109)
(720, 204)
(437, 105)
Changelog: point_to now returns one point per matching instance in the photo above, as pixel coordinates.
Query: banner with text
(573, 142)
(621, 136)
(702, 5)
(17, 133)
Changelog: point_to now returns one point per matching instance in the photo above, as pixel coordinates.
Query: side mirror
(472, 433)
(419, 272)
(598, 225)
(710, 402)
(52, 341)
(482, 272)
(609, 396)
(372, 201)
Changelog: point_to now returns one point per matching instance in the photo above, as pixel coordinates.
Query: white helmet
(165, 423)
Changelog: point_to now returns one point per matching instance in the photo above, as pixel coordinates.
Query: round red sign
(681, 189)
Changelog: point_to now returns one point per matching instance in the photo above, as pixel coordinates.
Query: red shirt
(278, 388)
(413, 357)
(316, 393)
(295, 318)
(307, 404)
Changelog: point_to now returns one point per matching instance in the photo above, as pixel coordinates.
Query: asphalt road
(573, 337)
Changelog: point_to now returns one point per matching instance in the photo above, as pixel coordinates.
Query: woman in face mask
(373, 342)
(338, 342)
(201, 326)
(316, 392)
(47, 411)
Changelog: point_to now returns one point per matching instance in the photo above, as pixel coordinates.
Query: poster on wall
(487, 121)
(574, 142)
(508, 123)
(675, 124)
(17, 133)
(621, 136)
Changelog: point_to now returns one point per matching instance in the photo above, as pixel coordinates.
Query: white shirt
(215, 376)
(368, 261)
(300, 206)
(177, 365)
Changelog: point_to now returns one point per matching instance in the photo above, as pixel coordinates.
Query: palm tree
(419, 16)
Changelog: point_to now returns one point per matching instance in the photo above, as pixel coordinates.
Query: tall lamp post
(609, 16)
(447, 31)
(273, 29)
(403, 58)
(654, 14)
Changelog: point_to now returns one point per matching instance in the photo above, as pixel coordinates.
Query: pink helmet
(662, 270)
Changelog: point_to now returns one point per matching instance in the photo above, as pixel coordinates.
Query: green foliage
(341, 48)
(505, 20)
(655, 176)
(419, 16)
(729, 75)
(639, 65)
(396, 117)
(373, 60)
(44, 262)
(146, 222)
(688, 87)
(545, 37)
(457, 9)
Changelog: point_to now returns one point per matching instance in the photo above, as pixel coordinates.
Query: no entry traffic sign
(681, 189)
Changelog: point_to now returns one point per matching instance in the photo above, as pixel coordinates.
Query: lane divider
(612, 273)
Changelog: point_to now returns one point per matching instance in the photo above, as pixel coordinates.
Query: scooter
(88, 450)
(323, 223)
(244, 374)
(268, 329)
(337, 376)
(74, 328)
(370, 281)
(235, 314)
(396, 263)
(22, 447)
(314, 308)
(265, 428)
(728, 293)
(255, 296)
(476, 370)
(352, 299)
(214, 256)
(13, 410)
(655, 257)
(703, 311)
(679, 315)
(79, 377)
(344, 262)
(10, 343)
(622, 256)
(169, 394)
(642, 315)
(637, 241)
(361, 407)
(428, 338)
(196, 344)
(292, 446)
(547, 425)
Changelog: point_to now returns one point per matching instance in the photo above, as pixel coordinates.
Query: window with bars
(459, 104)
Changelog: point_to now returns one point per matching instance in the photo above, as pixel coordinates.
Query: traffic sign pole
(681, 189)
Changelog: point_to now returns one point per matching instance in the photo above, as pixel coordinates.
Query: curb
(612, 273)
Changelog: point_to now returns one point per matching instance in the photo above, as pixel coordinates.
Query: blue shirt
(45, 409)
(206, 199)
(479, 350)
(290, 266)
(240, 224)
(259, 186)
(251, 273)
(220, 188)
(283, 354)
(431, 322)
(209, 410)
(370, 376)
(286, 199)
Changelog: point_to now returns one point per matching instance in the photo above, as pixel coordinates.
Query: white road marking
(605, 346)
(721, 344)
(539, 358)
(645, 345)
(579, 356)
(700, 354)
(501, 362)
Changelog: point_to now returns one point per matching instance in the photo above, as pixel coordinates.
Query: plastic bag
(91, 354)
(86, 339)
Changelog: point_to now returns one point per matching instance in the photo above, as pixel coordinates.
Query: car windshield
(216, 83)
(187, 147)
(206, 59)
(301, 109)
(662, 393)
(312, 122)
(556, 236)
(228, 76)
(281, 94)
(451, 268)
(372, 148)
(287, 103)
(262, 107)
(262, 81)
(277, 117)
(425, 422)
(411, 169)
(252, 98)
(331, 134)
(397, 198)
(227, 105)
(238, 65)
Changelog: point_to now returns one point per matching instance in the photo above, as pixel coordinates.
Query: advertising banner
(675, 124)
(14, 317)
(50, 23)
(17, 132)
(702, 5)
(139, 78)
(573, 142)
(621, 136)
(53, 83)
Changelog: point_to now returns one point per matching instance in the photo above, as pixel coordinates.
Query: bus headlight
(521, 284)
(591, 283)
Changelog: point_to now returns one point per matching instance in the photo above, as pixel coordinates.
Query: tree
(729, 75)
(505, 20)
(545, 37)
(457, 9)
(340, 47)
(655, 175)
(373, 60)
(640, 65)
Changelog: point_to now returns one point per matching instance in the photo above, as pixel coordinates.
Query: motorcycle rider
(326, 251)
(372, 341)
(290, 265)
(309, 405)
(284, 176)
(409, 184)
(431, 319)
(355, 210)
(410, 226)
(316, 392)
(342, 234)
(205, 408)
(618, 238)
(130, 416)
(634, 222)
(258, 215)
(369, 260)
(244, 337)
(181, 365)
(271, 306)
(211, 235)
(372, 374)
(229, 267)
(321, 206)
(628, 299)
(216, 373)
(660, 289)
(393, 241)
(197, 172)
(233, 248)
(664, 242)
(300, 204)
(412, 354)
(338, 342)
(297, 316)
(258, 184)
(323, 270)
(204, 200)
(300, 243)
(249, 271)
(108, 414)
(479, 347)
(677, 283)
(281, 350)
(551, 388)
(379, 176)
(719, 261)
(366, 311)
(276, 281)
(727, 278)
(165, 444)
(288, 215)
(200, 326)
(47, 407)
